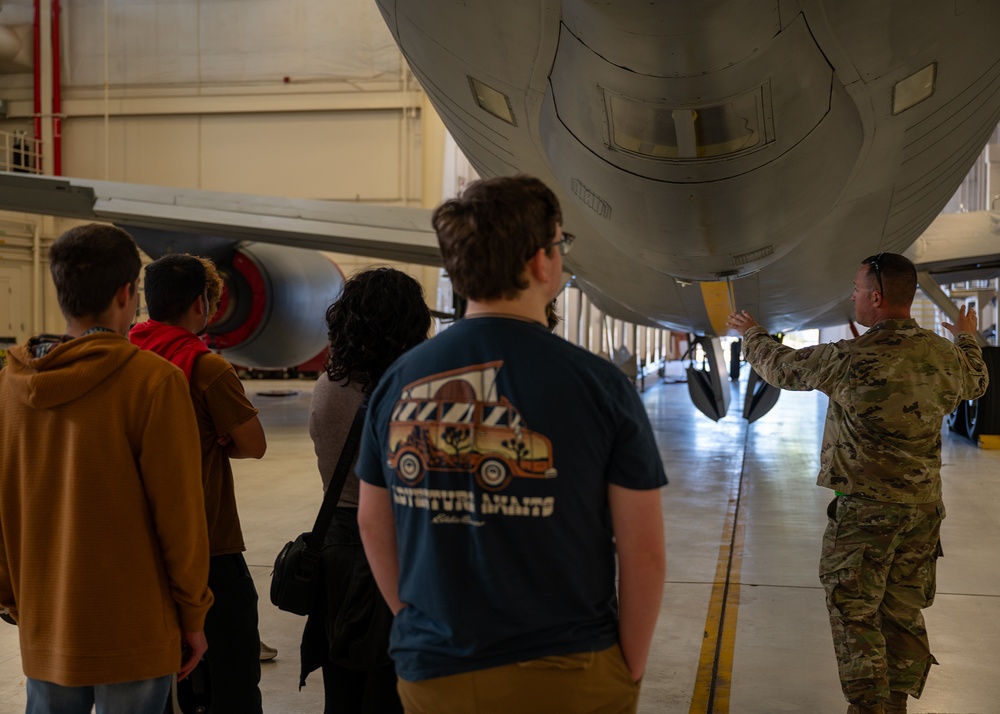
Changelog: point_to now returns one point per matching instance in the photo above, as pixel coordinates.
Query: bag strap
(315, 540)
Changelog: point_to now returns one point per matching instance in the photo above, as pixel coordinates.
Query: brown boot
(896, 703)
(862, 709)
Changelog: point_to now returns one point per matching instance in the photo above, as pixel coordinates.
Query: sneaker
(267, 653)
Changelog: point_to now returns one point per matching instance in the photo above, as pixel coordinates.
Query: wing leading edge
(381, 232)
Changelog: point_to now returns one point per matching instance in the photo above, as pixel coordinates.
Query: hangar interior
(312, 99)
(214, 96)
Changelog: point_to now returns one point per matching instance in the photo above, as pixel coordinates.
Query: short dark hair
(379, 315)
(172, 283)
(489, 232)
(897, 275)
(89, 264)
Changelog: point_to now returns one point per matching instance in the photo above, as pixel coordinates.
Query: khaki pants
(582, 683)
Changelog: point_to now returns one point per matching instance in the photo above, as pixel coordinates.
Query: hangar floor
(743, 522)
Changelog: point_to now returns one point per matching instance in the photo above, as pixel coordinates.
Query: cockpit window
(659, 131)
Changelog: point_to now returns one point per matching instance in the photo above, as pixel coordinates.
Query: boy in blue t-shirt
(502, 471)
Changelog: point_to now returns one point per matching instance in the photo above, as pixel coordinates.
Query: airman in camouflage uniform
(889, 390)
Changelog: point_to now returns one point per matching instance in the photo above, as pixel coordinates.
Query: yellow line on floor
(715, 665)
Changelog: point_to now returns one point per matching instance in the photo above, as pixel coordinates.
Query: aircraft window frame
(912, 90)
(683, 134)
(492, 100)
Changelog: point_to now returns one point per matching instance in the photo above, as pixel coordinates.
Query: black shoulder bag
(295, 582)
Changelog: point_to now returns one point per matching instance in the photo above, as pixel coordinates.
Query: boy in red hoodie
(181, 295)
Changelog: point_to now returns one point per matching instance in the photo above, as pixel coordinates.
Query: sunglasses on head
(875, 262)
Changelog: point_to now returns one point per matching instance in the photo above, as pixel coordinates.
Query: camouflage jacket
(889, 390)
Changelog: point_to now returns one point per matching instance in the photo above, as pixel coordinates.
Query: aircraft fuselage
(774, 145)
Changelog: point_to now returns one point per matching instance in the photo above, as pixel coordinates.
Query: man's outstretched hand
(741, 322)
(966, 322)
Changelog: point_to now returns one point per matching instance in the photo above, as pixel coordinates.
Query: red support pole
(37, 51)
(56, 92)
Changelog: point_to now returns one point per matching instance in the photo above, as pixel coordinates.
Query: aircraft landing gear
(707, 387)
(734, 360)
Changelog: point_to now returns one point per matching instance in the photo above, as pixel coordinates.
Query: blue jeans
(146, 696)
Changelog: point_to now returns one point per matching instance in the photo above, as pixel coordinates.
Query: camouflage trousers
(878, 566)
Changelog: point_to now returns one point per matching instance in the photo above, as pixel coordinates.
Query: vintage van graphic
(454, 421)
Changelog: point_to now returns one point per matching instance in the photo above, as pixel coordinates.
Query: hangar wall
(346, 155)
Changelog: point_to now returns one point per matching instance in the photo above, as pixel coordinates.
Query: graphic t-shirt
(497, 442)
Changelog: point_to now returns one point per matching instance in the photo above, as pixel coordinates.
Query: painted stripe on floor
(715, 665)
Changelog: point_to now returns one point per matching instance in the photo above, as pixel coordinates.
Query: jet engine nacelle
(272, 314)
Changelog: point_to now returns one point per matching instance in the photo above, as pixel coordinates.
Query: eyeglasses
(874, 261)
(564, 243)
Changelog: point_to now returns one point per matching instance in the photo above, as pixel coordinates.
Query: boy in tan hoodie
(104, 555)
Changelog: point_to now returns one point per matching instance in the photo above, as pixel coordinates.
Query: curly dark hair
(379, 315)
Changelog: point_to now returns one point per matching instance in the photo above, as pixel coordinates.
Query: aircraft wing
(954, 248)
(382, 232)
(959, 246)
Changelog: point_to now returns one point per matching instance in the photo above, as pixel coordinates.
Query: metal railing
(20, 152)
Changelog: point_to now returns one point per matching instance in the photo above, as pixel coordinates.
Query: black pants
(347, 691)
(233, 655)
(351, 692)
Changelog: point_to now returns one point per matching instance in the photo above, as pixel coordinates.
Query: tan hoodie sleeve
(170, 464)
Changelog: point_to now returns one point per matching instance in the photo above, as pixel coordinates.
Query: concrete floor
(743, 495)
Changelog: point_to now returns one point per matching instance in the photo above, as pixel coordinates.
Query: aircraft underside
(749, 155)
(735, 155)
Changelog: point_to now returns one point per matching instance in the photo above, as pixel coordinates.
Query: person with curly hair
(214, 286)
(379, 315)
